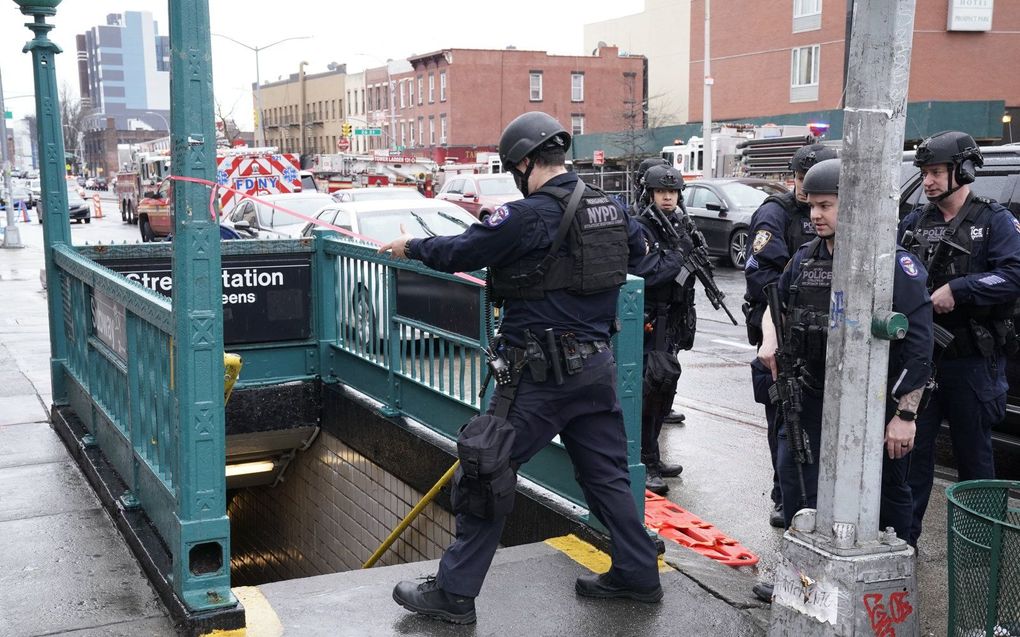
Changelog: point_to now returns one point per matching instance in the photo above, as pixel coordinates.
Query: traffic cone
(24, 211)
(97, 208)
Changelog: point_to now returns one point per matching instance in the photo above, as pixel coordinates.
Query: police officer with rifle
(804, 290)
(971, 247)
(556, 260)
(779, 226)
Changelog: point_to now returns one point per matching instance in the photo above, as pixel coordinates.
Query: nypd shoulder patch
(1016, 224)
(761, 239)
(498, 216)
(908, 266)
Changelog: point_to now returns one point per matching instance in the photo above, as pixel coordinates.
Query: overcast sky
(360, 34)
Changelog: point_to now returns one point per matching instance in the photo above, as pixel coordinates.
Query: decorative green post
(201, 572)
(56, 225)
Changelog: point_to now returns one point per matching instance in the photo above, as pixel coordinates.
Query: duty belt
(586, 349)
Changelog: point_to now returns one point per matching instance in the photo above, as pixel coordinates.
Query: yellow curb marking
(587, 555)
(259, 616)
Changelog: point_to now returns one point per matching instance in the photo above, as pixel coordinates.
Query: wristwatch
(903, 414)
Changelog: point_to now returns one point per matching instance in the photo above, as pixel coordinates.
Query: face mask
(521, 178)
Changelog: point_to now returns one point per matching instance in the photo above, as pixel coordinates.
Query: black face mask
(521, 178)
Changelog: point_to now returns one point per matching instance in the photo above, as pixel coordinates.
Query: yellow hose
(406, 522)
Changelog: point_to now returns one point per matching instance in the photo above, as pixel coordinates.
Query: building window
(577, 87)
(443, 130)
(432, 130)
(403, 95)
(410, 133)
(410, 94)
(403, 134)
(421, 128)
(807, 15)
(804, 63)
(576, 125)
(432, 87)
(536, 86)
(420, 91)
(442, 86)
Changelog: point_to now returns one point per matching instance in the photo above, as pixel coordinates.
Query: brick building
(312, 100)
(456, 102)
(792, 70)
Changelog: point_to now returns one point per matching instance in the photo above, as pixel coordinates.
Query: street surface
(727, 474)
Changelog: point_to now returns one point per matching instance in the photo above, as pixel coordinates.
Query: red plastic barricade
(674, 523)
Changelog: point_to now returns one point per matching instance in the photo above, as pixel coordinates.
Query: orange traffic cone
(97, 208)
(24, 211)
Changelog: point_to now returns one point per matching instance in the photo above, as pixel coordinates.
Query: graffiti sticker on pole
(798, 590)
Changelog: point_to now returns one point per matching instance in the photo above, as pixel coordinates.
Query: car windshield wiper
(449, 217)
(421, 222)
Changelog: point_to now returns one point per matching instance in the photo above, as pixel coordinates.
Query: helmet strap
(522, 177)
(949, 191)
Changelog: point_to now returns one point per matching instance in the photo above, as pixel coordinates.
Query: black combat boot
(669, 470)
(430, 600)
(776, 518)
(763, 591)
(654, 481)
(674, 417)
(603, 586)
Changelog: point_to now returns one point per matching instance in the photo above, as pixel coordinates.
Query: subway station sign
(266, 298)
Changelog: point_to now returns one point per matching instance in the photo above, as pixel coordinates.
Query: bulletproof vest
(799, 229)
(808, 313)
(593, 259)
(944, 265)
(669, 291)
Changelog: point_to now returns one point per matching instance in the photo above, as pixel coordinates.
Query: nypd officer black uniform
(575, 297)
(670, 318)
(971, 246)
(780, 225)
(804, 288)
(641, 196)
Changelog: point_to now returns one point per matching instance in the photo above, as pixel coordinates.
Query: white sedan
(252, 218)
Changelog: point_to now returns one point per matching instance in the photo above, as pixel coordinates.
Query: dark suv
(998, 179)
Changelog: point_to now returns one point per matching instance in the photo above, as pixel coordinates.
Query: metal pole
(839, 552)
(12, 236)
(53, 184)
(261, 130)
(707, 148)
(393, 112)
(301, 110)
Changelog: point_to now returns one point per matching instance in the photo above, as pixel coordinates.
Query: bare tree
(225, 124)
(74, 117)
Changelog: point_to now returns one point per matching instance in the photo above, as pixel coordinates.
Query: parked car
(376, 194)
(480, 194)
(722, 209)
(20, 192)
(77, 207)
(381, 221)
(252, 218)
(998, 179)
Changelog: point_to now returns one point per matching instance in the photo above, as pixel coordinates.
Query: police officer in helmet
(780, 225)
(641, 196)
(971, 247)
(670, 317)
(804, 288)
(559, 298)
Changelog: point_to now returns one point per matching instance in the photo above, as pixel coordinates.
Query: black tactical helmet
(648, 163)
(808, 156)
(947, 147)
(665, 177)
(529, 132)
(822, 178)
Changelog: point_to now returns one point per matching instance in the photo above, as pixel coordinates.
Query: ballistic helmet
(529, 132)
(649, 163)
(665, 177)
(808, 156)
(822, 178)
(954, 148)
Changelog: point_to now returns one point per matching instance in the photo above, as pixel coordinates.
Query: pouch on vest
(662, 373)
(485, 483)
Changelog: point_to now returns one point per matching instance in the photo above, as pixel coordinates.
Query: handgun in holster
(537, 363)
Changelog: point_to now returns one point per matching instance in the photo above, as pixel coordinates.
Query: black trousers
(586, 415)
(761, 380)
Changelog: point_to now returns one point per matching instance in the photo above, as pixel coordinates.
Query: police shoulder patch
(761, 239)
(908, 266)
(498, 216)
(1016, 224)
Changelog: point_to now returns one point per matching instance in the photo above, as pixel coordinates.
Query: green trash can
(984, 559)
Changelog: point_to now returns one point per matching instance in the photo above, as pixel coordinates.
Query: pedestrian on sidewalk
(556, 261)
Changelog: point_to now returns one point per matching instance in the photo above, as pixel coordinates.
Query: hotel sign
(970, 15)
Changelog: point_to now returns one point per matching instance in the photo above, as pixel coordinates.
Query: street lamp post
(260, 130)
(301, 110)
(165, 123)
(12, 236)
(1007, 119)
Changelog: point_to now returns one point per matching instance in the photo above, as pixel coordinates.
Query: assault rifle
(696, 263)
(786, 391)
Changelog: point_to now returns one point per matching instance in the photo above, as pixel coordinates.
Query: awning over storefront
(982, 119)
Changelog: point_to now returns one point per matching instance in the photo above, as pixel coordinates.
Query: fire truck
(148, 169)
(239, 172)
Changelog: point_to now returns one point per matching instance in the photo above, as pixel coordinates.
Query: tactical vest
(799, 229)
(594, 258)
(808, 314)
(671, 300)
(978, 329)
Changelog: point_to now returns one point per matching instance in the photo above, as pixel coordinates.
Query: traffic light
(345, 130)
